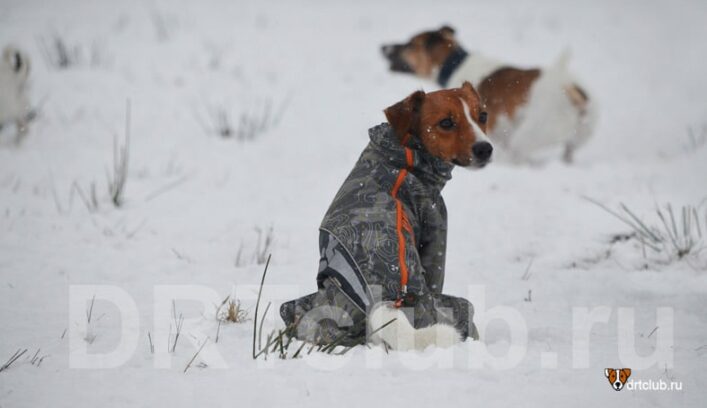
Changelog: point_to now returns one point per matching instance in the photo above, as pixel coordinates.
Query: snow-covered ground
(194, 200)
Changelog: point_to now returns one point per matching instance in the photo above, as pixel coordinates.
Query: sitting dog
(383, 239)
(14, 104)
(530, 110)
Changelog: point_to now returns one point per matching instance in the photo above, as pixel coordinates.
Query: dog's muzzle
(393, 53)
(480, 154)
(482, 151)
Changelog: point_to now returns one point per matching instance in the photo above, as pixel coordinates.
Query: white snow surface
(193, 199)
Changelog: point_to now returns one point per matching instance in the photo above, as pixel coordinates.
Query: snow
(193, 198)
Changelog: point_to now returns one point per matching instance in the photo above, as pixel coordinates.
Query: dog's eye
(446, 123)
(483, 117)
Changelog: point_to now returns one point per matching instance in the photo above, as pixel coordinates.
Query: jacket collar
(431, 170)
(453, 61)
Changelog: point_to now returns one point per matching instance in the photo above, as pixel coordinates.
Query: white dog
(14, 103)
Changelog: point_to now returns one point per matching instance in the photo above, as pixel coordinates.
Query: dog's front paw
(399, 334)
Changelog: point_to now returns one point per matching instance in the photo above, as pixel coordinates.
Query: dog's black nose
(482, 150)
(618, 384)
(387, 50)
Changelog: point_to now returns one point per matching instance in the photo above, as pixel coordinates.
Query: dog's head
(450, 124)
(423, 54)
(16, 62)
(617, 377)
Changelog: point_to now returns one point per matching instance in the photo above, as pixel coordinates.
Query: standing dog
(529, 109)
(383, 239)
(14, 104)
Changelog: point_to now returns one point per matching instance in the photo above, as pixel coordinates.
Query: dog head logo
(617, 377)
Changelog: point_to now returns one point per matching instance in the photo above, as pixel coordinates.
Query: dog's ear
(473, 99)
(607, 371)
(404, 116)
(447, 31)
(627, 372)
(471, 93)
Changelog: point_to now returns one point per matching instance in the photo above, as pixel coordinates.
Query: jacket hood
(431, 170)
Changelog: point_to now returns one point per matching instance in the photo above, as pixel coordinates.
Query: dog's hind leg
(584, 123)
(568, 154)
(325, 316)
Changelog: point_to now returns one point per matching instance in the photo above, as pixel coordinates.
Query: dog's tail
(401, 335)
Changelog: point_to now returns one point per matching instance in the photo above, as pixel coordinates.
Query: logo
(617, 377)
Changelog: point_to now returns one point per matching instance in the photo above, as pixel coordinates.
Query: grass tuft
(250, 125)
(675, 235)
(230, 310)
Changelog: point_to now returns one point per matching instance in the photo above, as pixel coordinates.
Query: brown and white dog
(383, 240)
(530, 110)
(14, 103)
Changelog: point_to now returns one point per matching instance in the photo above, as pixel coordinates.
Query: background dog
(14, 102)
(530, 110)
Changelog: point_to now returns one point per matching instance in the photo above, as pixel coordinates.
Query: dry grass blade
(697, 221)
(117, 181)
(328, 348)
(89, 311)
(667, 228)
(257, 304)
(178, 322)
(299, 350)
(643, 228)
(91, 203)
(382, 327)
(639, 230)
(267, 346)
(272, 339)
(527, 274)
(672, 220)
(277, 343)
(344, 351)
(12, 359)
(263, 245)
(195, 355)
(260, 330)
(220, 306)
(34, 357)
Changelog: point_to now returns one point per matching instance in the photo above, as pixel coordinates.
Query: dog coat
(384, 239)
